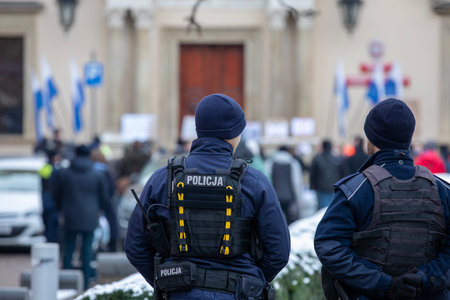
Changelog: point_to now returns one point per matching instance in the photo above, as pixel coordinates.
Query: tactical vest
(408, 227)
(206, 212)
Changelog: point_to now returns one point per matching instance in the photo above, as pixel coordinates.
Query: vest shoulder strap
(375, 174)
(237, 169)
(423, 172)
(177, 164)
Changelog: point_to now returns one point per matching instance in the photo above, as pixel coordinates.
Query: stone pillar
(277, 63)
(44, 274)
(444, 105)
(304, 66)
(116, 98)
(142, 87)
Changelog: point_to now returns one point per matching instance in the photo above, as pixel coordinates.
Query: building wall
(411, 32)
(138, 42)
(88, 34)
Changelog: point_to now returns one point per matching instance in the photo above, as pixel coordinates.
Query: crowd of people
(80, 188)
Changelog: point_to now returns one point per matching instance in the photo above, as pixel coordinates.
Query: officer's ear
(371, 148)
(234, 142)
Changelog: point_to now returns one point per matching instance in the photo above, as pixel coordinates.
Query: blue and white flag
(49, 91)
(341, 94)
(38, 104)
(394, 83)
(376, 92)
(77, 93)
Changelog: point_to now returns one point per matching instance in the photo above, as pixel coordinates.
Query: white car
(444, 176)
(20, 201)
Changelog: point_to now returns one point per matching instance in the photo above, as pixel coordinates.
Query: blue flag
(77, 97)
(376, 92)
(341, 94)
(38, 104)
(394, 82)
(49, 92)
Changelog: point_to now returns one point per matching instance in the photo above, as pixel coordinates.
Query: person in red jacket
(431, 159)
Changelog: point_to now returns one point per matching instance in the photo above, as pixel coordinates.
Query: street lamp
(350, 9)
(67, 12)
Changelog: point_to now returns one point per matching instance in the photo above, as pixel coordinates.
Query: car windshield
(11, 180)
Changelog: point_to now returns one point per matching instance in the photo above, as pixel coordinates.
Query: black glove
(404, 287)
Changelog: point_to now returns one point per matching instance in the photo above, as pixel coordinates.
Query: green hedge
(121, 295)
(296, 283)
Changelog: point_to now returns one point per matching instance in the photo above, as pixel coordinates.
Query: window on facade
(11, 85)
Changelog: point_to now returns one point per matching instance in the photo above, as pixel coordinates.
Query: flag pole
(93, 103)
(330, 115)
(62, 111)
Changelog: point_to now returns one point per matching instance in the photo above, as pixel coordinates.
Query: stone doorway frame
(168, 95)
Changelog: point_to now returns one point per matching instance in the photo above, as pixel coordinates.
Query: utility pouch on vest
(250, 287)
(159, 239)
(176, 276)
(256, 248)
(269, 292)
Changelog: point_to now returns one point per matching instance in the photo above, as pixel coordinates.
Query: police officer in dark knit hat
(386, 234)
(215, 228)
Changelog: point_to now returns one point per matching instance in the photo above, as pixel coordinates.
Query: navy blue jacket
(80, 194)
(260, 202)
(346, 215)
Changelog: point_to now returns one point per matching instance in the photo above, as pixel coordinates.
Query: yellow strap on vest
(183, 246)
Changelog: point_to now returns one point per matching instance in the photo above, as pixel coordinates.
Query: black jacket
(325, 171)
(80, 194)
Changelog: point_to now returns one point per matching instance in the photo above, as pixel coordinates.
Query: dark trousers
(51, 224)
(87, 253)
(195, 294)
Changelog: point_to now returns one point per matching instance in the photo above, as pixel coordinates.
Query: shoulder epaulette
(351, 184)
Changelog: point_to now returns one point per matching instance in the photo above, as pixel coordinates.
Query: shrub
(121, 295)
(299, 284)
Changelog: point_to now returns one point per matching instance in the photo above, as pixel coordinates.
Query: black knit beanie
(219, 116)
(390, 125)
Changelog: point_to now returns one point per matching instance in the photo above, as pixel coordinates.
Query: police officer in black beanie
(227, 236)
(386, 233)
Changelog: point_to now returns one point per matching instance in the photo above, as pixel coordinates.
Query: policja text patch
(205, 180)
(170, 271)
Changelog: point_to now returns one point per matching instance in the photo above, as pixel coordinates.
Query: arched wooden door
(208, 69)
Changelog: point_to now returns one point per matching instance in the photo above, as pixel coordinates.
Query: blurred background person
(110, 209)
(430, 159)
(50, 215)
(285, 173)
(136, 155)
(352, 163)
(325, 170)
(257, 159)
(80, 194)
(445, 154)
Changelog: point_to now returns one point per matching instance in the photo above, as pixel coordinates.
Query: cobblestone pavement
(12, 263)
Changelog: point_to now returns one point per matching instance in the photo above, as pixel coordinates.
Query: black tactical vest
(206, 212)
(408, 226)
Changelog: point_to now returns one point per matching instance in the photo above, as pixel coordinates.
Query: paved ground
(12, 263)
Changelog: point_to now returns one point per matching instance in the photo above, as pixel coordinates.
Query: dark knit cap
(390, 125)
(219, 116)
(82, 150)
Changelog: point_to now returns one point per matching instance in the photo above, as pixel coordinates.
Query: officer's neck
(234, 142)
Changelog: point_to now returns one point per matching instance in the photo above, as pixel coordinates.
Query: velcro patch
(205, 180)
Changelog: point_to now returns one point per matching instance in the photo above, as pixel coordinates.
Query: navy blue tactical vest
(206, 212)
(407, 227)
